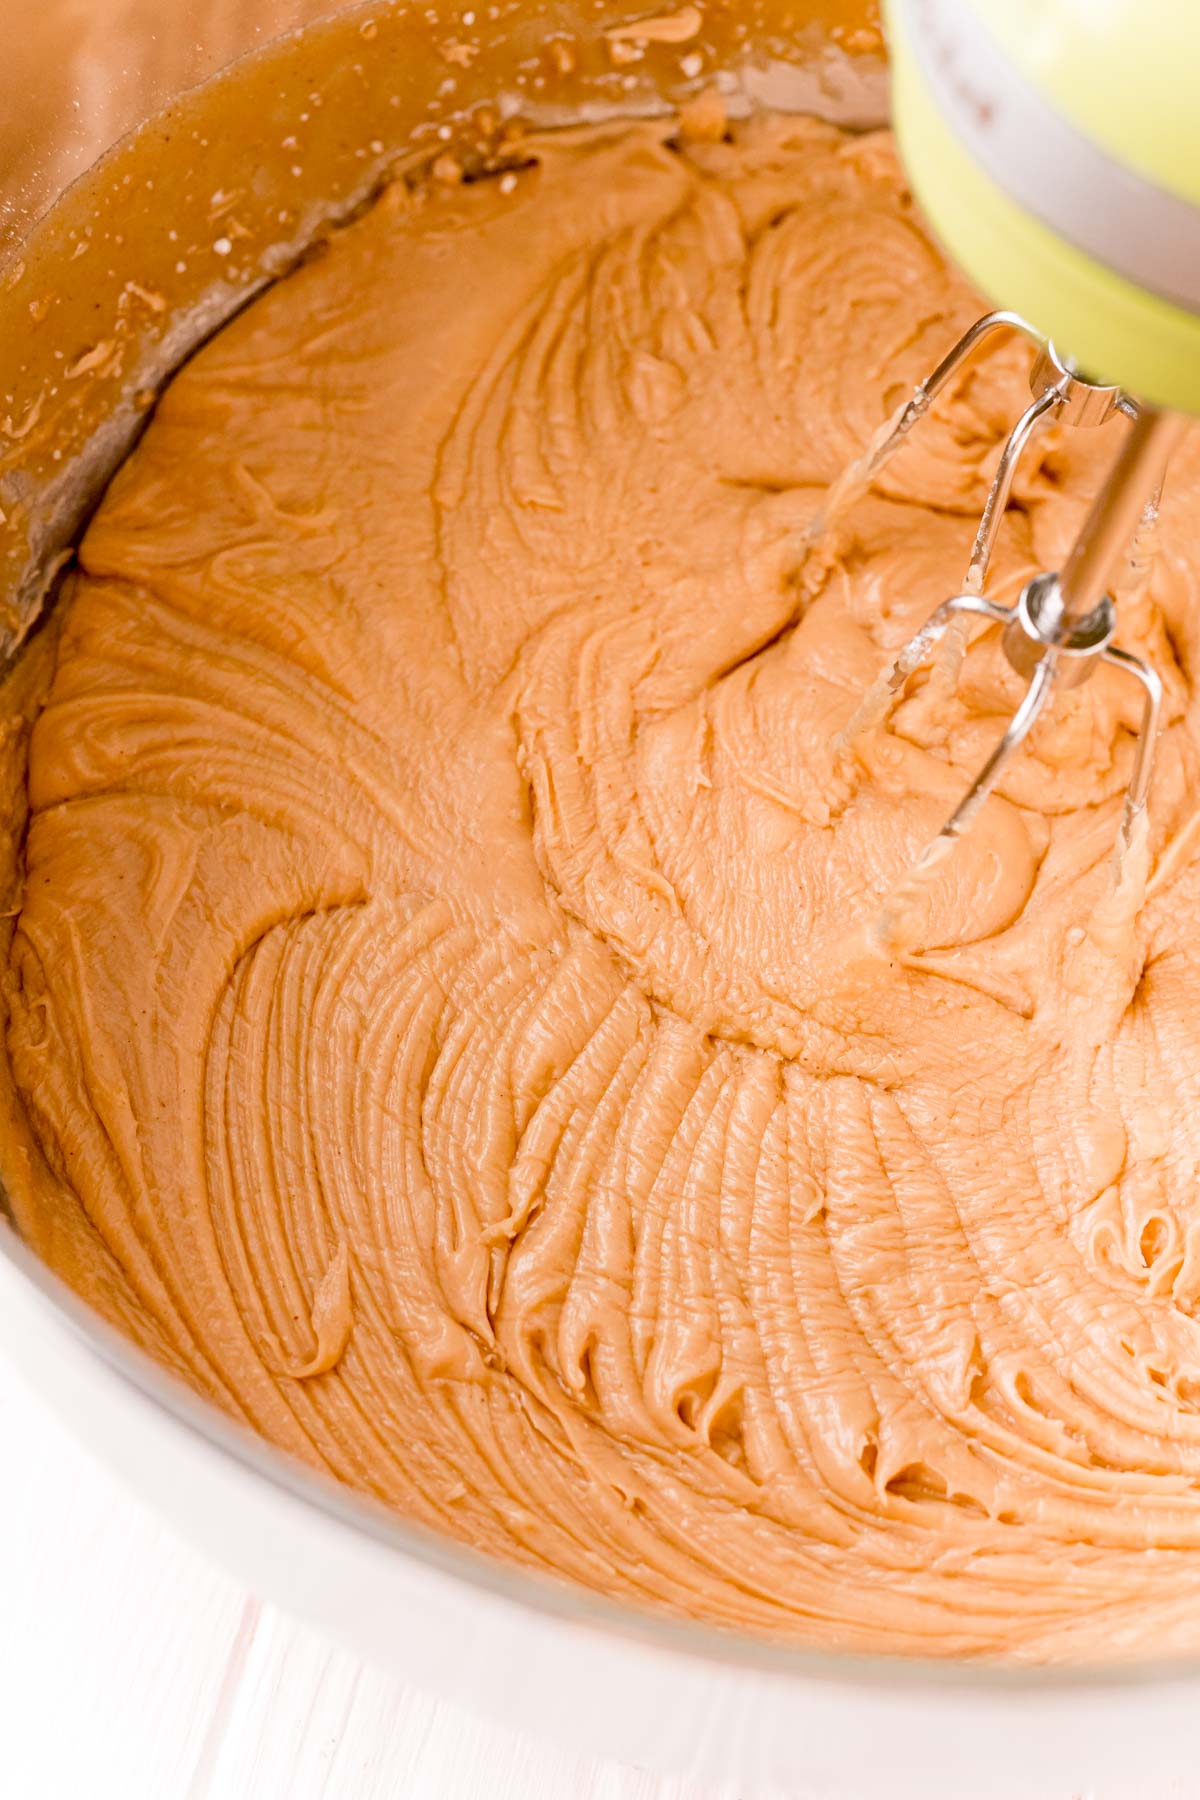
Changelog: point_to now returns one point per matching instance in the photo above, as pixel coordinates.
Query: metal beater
(1063, 623)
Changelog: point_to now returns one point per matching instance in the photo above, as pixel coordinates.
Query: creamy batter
(444, 1003)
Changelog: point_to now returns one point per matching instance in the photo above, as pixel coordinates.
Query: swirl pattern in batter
(443, 999)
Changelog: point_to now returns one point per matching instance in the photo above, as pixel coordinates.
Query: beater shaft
(1116, 510)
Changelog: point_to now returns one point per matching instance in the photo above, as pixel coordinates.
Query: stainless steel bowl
(361, 91)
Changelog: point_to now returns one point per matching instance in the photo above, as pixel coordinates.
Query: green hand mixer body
(1054, 146)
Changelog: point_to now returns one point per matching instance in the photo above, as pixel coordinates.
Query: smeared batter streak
(445, 1001)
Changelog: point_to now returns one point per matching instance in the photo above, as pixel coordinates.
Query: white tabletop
(131, 1669)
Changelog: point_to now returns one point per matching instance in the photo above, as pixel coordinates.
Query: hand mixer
(1055, 148)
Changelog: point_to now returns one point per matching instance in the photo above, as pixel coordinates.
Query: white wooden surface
(130, 1669)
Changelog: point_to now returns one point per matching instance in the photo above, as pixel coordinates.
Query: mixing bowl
(132, 174)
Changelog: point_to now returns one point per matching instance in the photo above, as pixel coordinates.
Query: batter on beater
(443, 1004)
